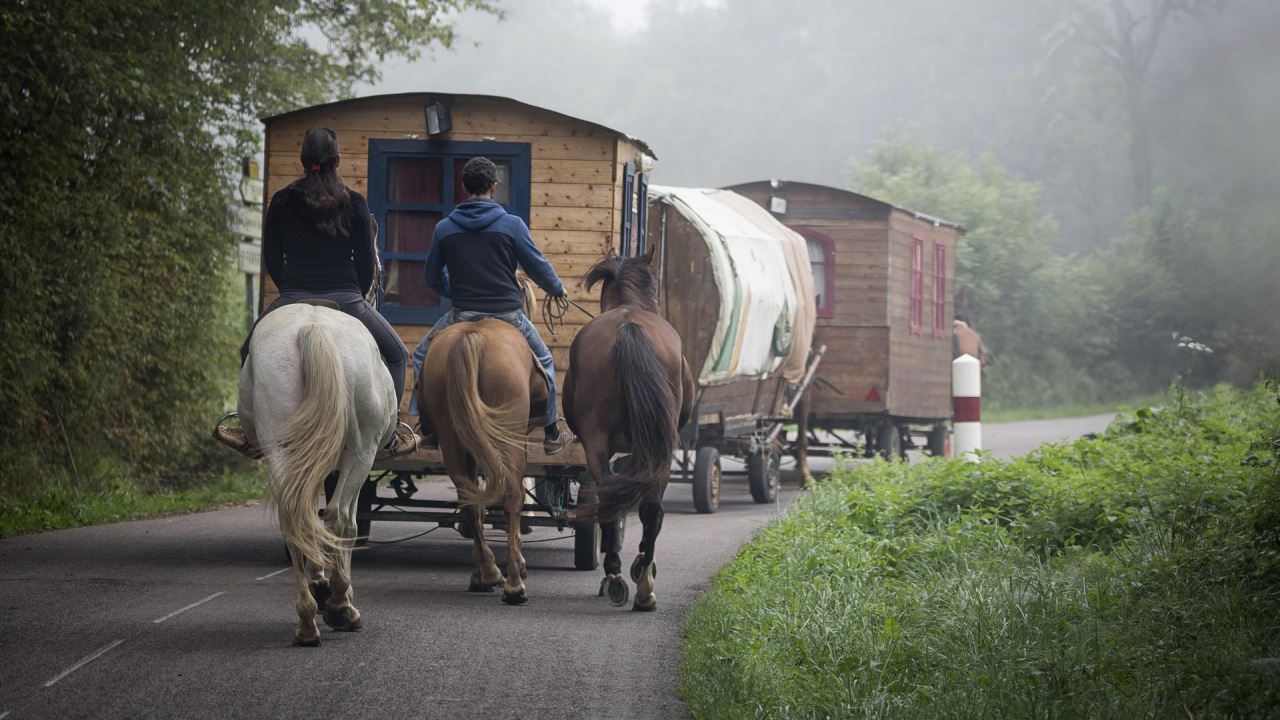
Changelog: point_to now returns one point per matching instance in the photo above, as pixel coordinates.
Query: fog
(746, 89)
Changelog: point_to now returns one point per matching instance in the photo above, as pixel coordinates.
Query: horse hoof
(637, 567)
(649, 606)
(320, 591)
(347, 619)
(516, 598)
(478, 585)
(306, 642)
(619, 591)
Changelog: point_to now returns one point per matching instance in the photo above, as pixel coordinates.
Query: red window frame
(939, 289)
(827, 309)
(917, 285)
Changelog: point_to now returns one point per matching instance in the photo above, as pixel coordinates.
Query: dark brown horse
(628, 390)
(488, 380)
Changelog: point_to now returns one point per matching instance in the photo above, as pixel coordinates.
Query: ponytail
(326, 200)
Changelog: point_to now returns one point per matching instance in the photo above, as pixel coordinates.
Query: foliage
(1036, 309)
(65, 505)
(1131, 575)
(121, 122)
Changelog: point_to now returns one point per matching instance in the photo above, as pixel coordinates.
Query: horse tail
(651, 408)
(476, 423)
(310, 445)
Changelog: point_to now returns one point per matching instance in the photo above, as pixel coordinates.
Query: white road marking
(77, 666)
(197, 603)
(264, 577)
(5, 714)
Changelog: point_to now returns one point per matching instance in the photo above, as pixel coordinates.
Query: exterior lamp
(438, 119)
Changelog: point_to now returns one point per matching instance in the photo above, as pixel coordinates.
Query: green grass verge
(997, 414)
(63, 505)
(1134, 575)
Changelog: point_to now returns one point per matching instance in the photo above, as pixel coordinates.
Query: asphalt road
(192, 616)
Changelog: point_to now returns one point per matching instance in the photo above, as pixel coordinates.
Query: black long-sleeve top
(299, 257)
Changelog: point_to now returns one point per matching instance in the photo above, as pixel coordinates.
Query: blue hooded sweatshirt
(474, 254)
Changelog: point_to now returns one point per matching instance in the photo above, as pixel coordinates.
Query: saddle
(318, 302)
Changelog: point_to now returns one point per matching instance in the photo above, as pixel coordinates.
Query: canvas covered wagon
(737, 287)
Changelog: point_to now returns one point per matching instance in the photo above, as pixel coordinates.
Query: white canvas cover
(766, 305)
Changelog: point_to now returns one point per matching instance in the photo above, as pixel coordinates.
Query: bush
(1132, 574)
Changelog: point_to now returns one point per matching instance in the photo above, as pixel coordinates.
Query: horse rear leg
(515, 593)
(645, 569)
(307, 633)
(462, 472)
(596, 446)
(339, 612)
(486, 573)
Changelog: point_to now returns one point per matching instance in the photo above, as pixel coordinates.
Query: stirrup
(235, 438)
(399, 444)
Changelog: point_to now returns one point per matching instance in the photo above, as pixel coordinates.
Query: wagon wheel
(586, 546)
(764, 475)
(706, 480)
(938, 440)
(889, 441)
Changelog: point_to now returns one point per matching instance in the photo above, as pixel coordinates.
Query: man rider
(472, 261)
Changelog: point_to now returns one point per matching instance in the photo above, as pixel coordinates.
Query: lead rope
(555, 307)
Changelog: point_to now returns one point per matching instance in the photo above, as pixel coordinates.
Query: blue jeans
(519, 321)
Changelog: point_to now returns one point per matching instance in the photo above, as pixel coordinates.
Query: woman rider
(317, 243)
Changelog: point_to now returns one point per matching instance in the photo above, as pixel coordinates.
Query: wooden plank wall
(857, 334)
(575, 201)
(919, 363)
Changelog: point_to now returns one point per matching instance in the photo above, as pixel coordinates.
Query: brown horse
(628, 390)
(489, 380)
(966, 341)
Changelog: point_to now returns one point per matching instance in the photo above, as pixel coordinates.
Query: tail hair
(310, 446)
(652, 411)
(477, 424)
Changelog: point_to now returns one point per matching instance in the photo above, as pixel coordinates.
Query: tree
(121, 122)
(1036, 309)
(1124, 36)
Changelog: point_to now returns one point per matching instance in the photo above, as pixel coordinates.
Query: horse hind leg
(515, 592)
(613, 584)
(486, 574)
(339, 611)
(307, 633)
(645, 568)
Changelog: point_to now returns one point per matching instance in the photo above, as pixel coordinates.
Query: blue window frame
(642, 207)
(413, 184)
(628, 202)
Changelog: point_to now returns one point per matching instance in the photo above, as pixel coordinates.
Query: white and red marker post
(966, 406)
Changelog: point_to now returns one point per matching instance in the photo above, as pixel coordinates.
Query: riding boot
(403, 441)
(235, 439)
(554, 440)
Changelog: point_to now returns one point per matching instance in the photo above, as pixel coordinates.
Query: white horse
(315, 396)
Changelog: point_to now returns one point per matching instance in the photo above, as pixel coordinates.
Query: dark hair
(326, 200)
(479, 175)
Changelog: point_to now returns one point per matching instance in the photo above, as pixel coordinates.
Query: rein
(554, 308)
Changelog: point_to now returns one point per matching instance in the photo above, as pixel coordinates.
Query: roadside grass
(1132, 575)
(997, 414)
(64, 505)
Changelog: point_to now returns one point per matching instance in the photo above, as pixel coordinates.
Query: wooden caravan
(575, 183)
(566, 177)
(884, 280)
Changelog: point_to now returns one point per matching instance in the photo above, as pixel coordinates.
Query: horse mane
(631, 278)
